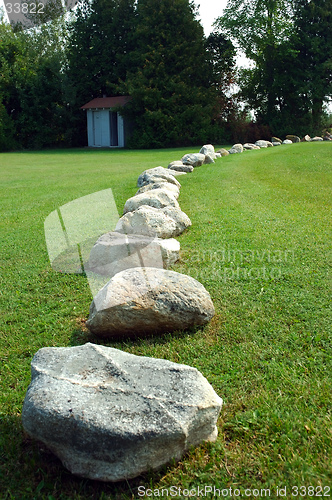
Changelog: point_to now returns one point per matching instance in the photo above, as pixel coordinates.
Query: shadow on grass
(82, 335)
(29, 470)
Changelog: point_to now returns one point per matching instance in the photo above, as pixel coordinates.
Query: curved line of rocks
(141, 295)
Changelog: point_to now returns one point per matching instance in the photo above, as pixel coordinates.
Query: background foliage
(183, 84)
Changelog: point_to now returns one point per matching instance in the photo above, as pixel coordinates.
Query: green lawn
(260, 243)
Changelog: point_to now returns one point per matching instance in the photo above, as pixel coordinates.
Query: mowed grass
(261, 244)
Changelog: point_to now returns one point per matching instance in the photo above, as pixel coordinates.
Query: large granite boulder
(114, 252)
(144, 301)
(172, 188)
(158, 198)
(165, 222)
(236, 148)
(193, 159)
(110, 416)
(158, 174)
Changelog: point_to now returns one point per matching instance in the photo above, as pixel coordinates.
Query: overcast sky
(209, 10)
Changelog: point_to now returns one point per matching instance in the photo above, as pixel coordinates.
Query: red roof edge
(107, 102)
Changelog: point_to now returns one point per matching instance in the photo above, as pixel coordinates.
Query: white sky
(209, 10)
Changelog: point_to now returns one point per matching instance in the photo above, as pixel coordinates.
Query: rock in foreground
(109, 415)
(143, 301)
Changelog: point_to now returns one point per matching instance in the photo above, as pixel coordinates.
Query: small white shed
(106, 127)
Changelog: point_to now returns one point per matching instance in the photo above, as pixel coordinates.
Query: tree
(170, 76)
(31, 86)
(313, 69)
(261, 30)
(98, 53)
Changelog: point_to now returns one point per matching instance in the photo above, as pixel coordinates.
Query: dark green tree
(170, 77)
(313, 66)
(99, 46)
(31, 87)
(260, 29)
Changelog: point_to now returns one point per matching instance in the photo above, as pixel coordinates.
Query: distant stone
(261, 143)
(193, 159)
(287, 141)
(307, 138)
(223, 152)
(269, 144)
(293, 138)
(218, 155)
(276, 139)
(144, 301)
(276, 143)
(157, 198)
(172, 188)
(209, 159)
(208, 149)
(158, 174)
(249, 146)
(180, 167)
(114, 252)
(236, 148)
(316, 139)
(165, 222)
(109, 415)
(327, 138)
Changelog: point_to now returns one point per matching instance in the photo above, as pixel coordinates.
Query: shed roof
(107, 102)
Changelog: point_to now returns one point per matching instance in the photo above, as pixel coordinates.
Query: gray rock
(250, 146)
(208, 159)
(276, 143)
(158, 174)
(179, 167)
(276, 139)
(236, 148)
(223, 152)
(293, 138)
(261, 143)
(193, 159)
(287, 141)
(114, 252)
(316, 139)
(208, 149)
(306, 138)
(143, 301)
(218, 155)
(165, 222)
(172, 188)
(110, 416)
(269, 144)
(158, 198)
